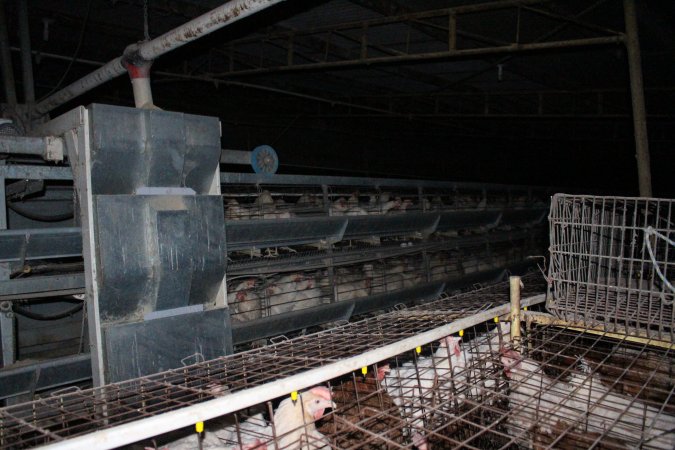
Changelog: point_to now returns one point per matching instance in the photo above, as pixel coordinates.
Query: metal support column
(638, 99)
(7, 340)
(514, 289)
(26, 57)
(6, 60)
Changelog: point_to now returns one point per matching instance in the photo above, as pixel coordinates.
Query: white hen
(416, 387)
(538, 400)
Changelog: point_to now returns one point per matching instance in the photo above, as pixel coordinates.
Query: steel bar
(432, 56)
(214, 20)
(514, 285)
(632, 42)
(471, 8)
(26, 55)
(41, 286)
(6, 60)
(547, 319)
(26, 172)
(235, 157)
(277, 179)
(7, 325)
(23, 145)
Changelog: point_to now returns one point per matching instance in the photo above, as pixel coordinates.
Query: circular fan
(264, 159)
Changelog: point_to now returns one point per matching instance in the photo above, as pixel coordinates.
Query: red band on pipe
(142, 71)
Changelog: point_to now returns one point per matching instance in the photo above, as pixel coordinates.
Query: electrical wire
(37, 316)
(649, 231)
(74, 57)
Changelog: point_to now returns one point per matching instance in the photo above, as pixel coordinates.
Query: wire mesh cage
(555, 388)
(77, 413)
(611, 262)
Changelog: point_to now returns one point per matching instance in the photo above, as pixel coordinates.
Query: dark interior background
(553, 117)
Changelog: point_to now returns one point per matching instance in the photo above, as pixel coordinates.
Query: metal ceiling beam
(541, 38)
(206, 23)
(407, 17)
(431, 56)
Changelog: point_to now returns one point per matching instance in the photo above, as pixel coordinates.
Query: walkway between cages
(127, 412)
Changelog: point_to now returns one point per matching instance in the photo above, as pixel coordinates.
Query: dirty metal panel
(391, 225)
(143, 348)
(244, 234)
(458, 220)
(155, 148)
(18, 245)
(418, 294)
(295, 320)
(158, 252)
(44, 375)
(523, 217)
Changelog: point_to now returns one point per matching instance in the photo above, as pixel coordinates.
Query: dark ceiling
(532, 92)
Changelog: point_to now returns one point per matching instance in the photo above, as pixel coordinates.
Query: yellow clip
(525, 308)
(294, 395)
(364, 370)
(418, 350)
(199, 427)
(496, 319)
(461, 333)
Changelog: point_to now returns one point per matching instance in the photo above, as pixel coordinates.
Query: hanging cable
(74, 58)
(649, 231)
(146, 25)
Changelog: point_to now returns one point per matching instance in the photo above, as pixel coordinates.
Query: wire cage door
(612, 262)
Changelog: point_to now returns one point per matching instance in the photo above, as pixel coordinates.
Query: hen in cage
(583, 403)
(291, 428)
(365, 414)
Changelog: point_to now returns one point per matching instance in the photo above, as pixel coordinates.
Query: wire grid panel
(611, 262)
(60, 417)
(564, 389)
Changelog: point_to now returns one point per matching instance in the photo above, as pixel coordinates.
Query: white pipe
(207, 23)
(163, 423)
(142, 92)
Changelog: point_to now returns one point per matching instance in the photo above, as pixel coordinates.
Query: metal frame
(605, 263)
(183, 397)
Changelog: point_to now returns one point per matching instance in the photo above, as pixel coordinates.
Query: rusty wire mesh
(611, 262)
(564, 389)
(63, 416)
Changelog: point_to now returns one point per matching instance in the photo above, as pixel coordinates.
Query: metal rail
(148, 406)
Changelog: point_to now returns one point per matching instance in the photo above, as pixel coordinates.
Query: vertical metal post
(26, 57)
(6, 60)
(452, 32)
(514, 285)
(364, 43)
(7, 332)
(289, 55)
(638, 99)
(330, 269)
